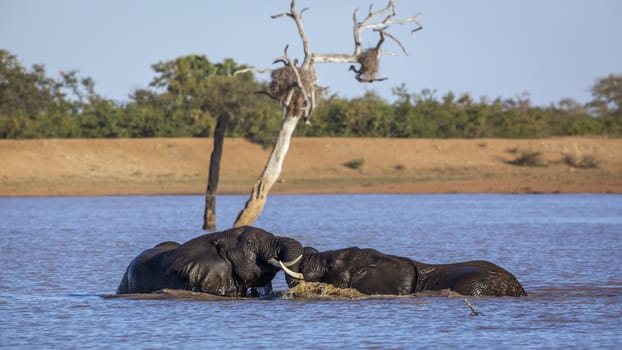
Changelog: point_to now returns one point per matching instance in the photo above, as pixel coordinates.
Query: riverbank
(60, 167)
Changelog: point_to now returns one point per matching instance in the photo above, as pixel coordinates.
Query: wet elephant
(372, 272)
(225, 263)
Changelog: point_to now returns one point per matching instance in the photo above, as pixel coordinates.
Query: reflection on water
(60, 255)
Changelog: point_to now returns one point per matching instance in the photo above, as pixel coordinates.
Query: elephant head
(364, 269)
(310, 267)
(257, 255)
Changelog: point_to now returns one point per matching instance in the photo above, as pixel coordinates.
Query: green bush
(354, 163)
(527, 158)
(585, 162)
(188, 93)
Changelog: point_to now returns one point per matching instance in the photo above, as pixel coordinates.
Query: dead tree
(295, 87)
(209, 215)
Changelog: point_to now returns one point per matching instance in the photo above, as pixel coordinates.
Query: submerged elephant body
(222, 263)
(477, 277)
(144, 273)
(372, 272)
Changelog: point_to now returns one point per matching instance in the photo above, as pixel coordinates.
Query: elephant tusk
(296, 275)
(291, 263)
(274, 262)
(277, 263)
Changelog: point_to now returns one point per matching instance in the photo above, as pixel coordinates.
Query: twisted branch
(366, 24)
(473, 311)
(296, 89)
(297, 17)
(369, 59)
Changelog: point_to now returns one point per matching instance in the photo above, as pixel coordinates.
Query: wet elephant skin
(372, 272)
(223, 263)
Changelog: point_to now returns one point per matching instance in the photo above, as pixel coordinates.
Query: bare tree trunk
(295, 88)
(209, 216)
(257, 200)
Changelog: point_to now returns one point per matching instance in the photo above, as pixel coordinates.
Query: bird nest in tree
(369, 61)
(285, 87)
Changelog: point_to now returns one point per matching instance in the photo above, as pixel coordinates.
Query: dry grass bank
(313, 165)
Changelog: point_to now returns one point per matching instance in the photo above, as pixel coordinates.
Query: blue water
(59, 255)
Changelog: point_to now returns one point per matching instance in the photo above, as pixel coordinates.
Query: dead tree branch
(293, 14)
(295, 87)
(473, 311)
(368, 23)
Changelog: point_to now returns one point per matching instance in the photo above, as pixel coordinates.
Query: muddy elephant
(372, 272)
(227, 263)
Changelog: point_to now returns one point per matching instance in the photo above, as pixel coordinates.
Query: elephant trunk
(311, 264)
(288, 252)
(279, 263)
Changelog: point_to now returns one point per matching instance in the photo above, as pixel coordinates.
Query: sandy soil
(313, 165)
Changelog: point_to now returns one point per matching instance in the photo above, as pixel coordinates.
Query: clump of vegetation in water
(317, 290)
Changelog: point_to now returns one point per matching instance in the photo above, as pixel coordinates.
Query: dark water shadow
(173, 294)
(609, 289)
(302, 292)
(310, 291)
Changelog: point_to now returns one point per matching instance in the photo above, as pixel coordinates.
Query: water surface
(60, 254)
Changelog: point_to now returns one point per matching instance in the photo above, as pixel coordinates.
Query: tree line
(187, 94)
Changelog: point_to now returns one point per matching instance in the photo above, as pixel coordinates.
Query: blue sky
(551, 49)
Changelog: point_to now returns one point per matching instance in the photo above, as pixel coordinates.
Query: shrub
(354, 163)
(586, 162)
(527, 158)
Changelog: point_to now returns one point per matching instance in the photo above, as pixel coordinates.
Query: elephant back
(199, 264)
(143, 274)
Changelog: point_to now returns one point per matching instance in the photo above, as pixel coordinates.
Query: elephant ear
(193, 260)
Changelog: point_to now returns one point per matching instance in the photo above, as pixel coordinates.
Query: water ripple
(60, 255)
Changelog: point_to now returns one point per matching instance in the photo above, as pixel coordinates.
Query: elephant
(372, 272)
(226, 263)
